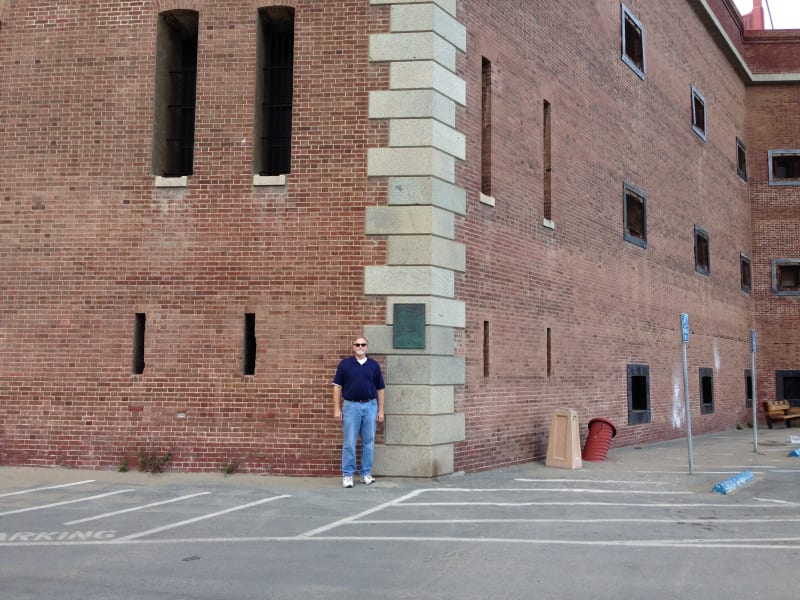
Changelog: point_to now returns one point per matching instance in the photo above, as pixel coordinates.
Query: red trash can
(599, 439)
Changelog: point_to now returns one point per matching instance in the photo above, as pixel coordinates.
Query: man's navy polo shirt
(359, 382)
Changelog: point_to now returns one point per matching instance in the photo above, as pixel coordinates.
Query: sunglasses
(359, 344)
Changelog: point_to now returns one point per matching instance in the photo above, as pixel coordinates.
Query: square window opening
(784, 167)
(788, 277)
(787, 387)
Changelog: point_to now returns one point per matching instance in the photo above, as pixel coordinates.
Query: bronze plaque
(409, 326)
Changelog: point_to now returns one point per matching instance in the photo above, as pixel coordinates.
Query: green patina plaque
(409, 326)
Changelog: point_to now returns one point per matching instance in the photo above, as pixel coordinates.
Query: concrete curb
(735, 482)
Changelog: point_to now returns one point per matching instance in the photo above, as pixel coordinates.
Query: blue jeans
(358, 418)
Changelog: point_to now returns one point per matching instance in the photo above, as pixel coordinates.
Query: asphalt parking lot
(634, 526)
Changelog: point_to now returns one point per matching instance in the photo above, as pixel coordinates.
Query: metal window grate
(278, 74)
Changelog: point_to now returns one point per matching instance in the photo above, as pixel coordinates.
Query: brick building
(203, 201)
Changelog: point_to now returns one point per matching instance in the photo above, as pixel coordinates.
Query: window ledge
(488, 200)
(549, 223)
(171, 182)
(269, 180)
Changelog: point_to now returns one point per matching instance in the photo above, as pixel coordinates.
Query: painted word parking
(47, 506)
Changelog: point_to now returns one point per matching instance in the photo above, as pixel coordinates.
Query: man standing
(359, 382)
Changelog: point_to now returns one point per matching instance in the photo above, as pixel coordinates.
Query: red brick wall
(86, 240)
(773, 123)
(773, 51)
(607, 302)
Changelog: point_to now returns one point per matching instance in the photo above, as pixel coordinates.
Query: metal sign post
(685, 340)
(753, 387)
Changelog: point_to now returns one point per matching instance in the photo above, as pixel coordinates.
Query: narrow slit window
(702, 251)
(784, 167)
(638, 394)
(547, 161)
(486, 348)
(633, 42)
(706, 391)
(746, 274)
(274, 91)
(249, 353)
(634, 216)
(139, 326)
(549, 353)
(786, 277)
(698, 113)
(741, 159)
(748, 388)
(486, 127)
(175, 93)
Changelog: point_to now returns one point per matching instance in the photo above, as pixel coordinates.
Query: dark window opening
(635, 216)
(633, 42)
(698, 113)
(549, 353)
(486, 348)
(638, 394)
(787, 387)
(788, 277)
(175, 93)
(702, 251)
(746, 273)
(741, 159)
(784, 167)
(274, 90)
(486, 127)
(548, 167)
(249, 362)
(748, 389)
(706, 391)
(139, 323)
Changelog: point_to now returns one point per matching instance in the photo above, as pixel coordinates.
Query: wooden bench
(780, 410)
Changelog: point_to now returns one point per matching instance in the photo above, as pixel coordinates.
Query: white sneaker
(347, 481)
(368, 479)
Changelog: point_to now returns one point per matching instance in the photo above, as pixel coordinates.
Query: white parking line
(42, 506)
(133, 536)
(633, 504)
(595, 491)
(135, 508)
(335, 524)
(49, 487)
(628, 482)
(584, 521)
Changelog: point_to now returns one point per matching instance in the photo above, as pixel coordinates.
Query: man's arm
(380, 406)
(337, 402)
